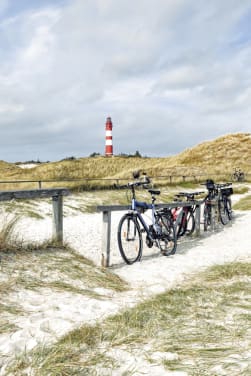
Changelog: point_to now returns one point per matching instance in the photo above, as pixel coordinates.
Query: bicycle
(160, 232)
(225, 204)
(184, 217)
(219, 197)
(238, 175)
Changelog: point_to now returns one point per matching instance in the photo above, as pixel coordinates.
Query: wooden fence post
(57, 204)
(106, 238)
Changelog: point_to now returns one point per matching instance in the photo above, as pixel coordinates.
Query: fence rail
(106, 223)
(174, 178)
(57, 204)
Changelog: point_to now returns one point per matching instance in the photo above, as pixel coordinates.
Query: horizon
(38, 161)
(170, 74)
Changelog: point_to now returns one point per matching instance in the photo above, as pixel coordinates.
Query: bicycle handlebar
(218, 185)
(189, 193)
(133, 184)
(222, 185)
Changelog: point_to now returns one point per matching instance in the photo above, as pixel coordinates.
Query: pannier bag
(227, 191)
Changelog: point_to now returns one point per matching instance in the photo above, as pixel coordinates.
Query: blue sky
(170, 73)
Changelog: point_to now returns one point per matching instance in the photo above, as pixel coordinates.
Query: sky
(170, 74)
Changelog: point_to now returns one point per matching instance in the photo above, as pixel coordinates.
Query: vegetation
(200, 327)
(220, 156)
(243, 204)
(240, 189)
(48, 257)
(8, 241)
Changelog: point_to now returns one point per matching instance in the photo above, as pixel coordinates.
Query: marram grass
(243, 204)
(204, 324)
(219, 156)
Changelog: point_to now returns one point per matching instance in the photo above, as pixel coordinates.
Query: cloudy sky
(170, 73)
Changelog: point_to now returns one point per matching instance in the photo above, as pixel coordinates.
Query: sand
(51, 314)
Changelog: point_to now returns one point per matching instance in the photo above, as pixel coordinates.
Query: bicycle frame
(216, 192)
(136, 206)
(159, 231)
(183, 211)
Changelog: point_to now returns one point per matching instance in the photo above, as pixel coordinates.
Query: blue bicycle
(160, 232)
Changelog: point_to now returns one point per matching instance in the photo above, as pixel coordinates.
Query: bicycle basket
(210, 184)
(227, 191)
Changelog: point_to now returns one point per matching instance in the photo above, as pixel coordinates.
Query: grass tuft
(243, 204)
(199, 329)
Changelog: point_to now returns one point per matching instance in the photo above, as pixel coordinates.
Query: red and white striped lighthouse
(108, 138)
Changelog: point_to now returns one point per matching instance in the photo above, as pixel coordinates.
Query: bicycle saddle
(153, 192)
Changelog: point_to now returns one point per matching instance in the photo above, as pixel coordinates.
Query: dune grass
(201, 327)
(60, 269)
(7, 237)
(243, 204)
(50, 265)
(218, 156)
(241, 189)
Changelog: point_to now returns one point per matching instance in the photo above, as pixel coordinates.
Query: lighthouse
(108, 138)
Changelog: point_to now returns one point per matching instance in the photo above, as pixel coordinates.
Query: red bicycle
(183, 216)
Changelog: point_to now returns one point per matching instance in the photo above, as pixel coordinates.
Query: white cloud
(3, 6)
(159, 68)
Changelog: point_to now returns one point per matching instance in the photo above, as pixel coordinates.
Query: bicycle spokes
(129, 239)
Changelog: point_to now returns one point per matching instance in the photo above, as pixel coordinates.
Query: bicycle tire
(187, 225)
(234, 177)
(229, 208)
(190, 226)
(181, 228)
(129, 239)
(223, 212)
(167, 241)
(207, 214)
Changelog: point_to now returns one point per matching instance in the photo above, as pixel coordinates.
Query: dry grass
(221, 154)
(243, 204)
(208, 158)
(200, 328)
(8, 240)
(47, 264)
(60, 269)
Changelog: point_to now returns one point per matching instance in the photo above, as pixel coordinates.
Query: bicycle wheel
(229, 208)
(223, 212)
(167, 240)
(207, 216)
(190, 223)
(129, 239)
(187, 224)
(234, 177)
(182, 226)
(241, 176)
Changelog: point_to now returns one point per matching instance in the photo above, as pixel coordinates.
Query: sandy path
(52, 314)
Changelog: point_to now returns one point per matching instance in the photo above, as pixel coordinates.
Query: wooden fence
(57, 204)
(106, 211)
(110, 182)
